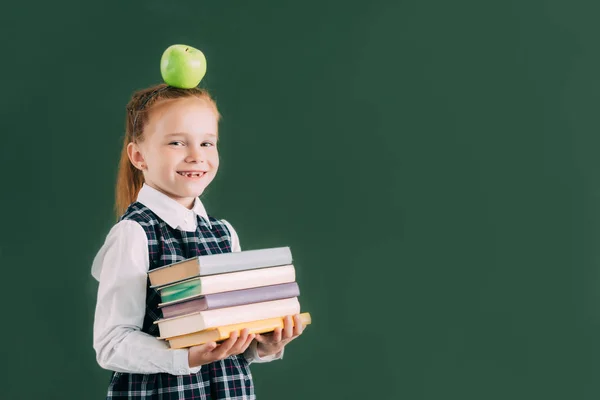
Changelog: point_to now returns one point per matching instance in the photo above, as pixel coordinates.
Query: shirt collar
(170, 211)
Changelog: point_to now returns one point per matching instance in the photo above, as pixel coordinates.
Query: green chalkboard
(433, 166)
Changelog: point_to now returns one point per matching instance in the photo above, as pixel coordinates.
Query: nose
(195, 155)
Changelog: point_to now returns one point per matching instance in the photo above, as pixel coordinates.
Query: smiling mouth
(191, 174)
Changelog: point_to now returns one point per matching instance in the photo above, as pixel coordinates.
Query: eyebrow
(184, 134)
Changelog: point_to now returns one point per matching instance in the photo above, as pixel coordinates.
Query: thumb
(208, 347)
(264, 339)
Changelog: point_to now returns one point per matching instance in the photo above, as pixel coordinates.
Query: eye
(207, 144)
(176, 143)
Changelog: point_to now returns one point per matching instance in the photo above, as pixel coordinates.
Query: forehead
(188, 115)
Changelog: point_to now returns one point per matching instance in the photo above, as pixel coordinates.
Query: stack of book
(206, 298)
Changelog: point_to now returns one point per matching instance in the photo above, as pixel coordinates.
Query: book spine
(181, 290)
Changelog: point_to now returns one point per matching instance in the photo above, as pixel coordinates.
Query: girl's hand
(273, 342)
(209, 352)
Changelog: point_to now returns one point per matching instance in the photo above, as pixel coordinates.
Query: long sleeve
(251, 353)
(121, 268)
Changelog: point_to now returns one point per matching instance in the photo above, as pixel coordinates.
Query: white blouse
(121, 268)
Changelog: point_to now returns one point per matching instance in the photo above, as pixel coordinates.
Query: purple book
(229, 299)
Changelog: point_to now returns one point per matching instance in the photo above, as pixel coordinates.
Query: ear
(135, 156)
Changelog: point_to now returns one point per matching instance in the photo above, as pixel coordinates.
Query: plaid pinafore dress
(225, 379)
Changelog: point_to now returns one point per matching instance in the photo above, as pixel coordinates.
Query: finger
(202, 354)
(248, 342)
(209, 347)
(298, 327)
(276, 337)
(269, 337)
(239, 343)
(288, 329)
(260, 338)
(204, 348)
(221, 351)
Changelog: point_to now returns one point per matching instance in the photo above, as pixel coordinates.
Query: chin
(192, 193)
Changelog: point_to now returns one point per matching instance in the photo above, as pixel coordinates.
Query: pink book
(201, 320)
(229, 299)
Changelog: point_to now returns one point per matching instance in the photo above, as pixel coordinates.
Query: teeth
(190, 174)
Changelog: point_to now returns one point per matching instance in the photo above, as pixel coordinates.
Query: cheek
(154, 157)
(214, 160)
(162, 164)
(166, 158)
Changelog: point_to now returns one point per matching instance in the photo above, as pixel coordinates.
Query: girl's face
(178, 155)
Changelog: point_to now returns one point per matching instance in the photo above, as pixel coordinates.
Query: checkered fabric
(228, 379)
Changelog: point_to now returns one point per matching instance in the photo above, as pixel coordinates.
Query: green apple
(182, 66)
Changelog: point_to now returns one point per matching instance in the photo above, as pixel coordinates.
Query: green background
(432, 165)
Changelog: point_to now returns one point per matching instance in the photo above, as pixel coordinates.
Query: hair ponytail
(129, 182)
